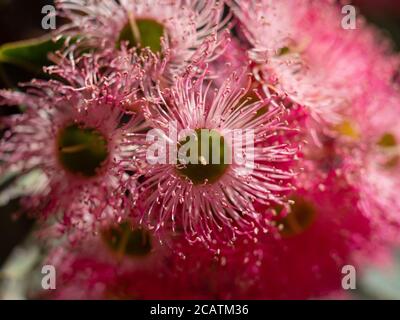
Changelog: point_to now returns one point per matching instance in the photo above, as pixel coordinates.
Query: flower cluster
(312, 188)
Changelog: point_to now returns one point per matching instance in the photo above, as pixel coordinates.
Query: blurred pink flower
(302, 50)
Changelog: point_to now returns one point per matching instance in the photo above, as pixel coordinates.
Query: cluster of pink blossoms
(322, 102)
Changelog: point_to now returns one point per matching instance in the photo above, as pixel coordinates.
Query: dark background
(21, 19)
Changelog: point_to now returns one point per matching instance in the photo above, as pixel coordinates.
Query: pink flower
(323, 232)
(301, 258)
(73, 130)
(124, 261)
(174, 28)
(302, 50)
(215, 202)
(378, 178)
(342, 76)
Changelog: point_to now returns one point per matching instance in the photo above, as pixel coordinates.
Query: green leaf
(31, 54)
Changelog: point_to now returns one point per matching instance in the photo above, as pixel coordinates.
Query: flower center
(283, 51)
(201, 156)
(388, 143)
(81, 151)
(142, 33)
(387, 140)
(125, 240)
(253, 95)
(301, 216)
